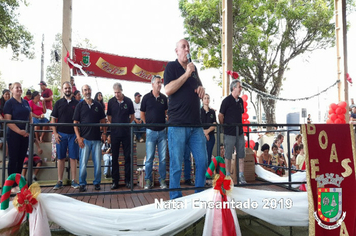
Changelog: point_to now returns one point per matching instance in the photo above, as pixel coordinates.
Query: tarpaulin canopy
(100, 64)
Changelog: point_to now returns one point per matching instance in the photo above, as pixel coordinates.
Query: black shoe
(97, 187)
(114, 186)
(82, 188)
(189, 182)
(128, 185)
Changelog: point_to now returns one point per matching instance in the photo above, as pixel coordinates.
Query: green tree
(12, 33)
(54, 69)
(267, 35)
(2, 84)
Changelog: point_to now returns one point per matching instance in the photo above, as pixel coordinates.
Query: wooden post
(226, 45)
(66, 38)
(340, 31)
(42, 59)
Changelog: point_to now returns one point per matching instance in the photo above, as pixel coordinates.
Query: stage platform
(123, 198)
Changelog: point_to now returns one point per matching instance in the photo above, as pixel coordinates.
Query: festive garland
(6, 191)
(269, 96)
(235, 75)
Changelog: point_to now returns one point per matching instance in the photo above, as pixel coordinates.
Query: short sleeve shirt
(300, 160)
(232, 110)
(46, 94)
(137, 107)
(92, 114)
(63, 111)
(37, 110)
(155, 109)
(18, 111)
(120, 113)
(184, 104)
(207, 118)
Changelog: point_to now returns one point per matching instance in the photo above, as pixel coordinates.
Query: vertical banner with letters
(331, 178)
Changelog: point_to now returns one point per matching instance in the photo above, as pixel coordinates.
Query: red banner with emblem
(331, 178)
(100, 64)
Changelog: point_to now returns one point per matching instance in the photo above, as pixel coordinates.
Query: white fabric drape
(271, 177)
(80, 218)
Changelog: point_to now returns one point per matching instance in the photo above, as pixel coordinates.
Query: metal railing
(30, 129)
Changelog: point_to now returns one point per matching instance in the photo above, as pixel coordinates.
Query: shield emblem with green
(86, 60)
(329, 204)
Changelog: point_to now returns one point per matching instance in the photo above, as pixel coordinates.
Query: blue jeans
(93, 147)
(178, 138)
(153, 139)
(137, 129)
(187, 163)
(210, 146)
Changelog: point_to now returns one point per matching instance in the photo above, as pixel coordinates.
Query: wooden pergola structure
(227, 31)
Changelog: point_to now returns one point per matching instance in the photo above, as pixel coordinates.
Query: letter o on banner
(321, 135)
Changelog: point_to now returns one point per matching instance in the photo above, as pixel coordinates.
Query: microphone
(190, 60)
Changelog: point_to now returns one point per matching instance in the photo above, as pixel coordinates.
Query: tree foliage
(2, 84)
(267, 35)
(12, 33)
(54, 69)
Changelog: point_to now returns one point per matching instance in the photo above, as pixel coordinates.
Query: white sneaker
(242, 180)
(163, 184)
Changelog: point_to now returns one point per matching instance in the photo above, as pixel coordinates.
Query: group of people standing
(29, 109)
(181, 110)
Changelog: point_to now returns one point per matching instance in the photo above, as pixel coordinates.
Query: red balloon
(252, 144)
(342, 104)
(331, 111)
(245, 110)
(333, 117)
(247, 122)
(244, 129)
(338, 111)
(245, 104)
(338, 121)
(329, 121)
(333, 106)
(245, 116)
(341, 117)
(343, 121)
(244, 97)
(343, 110)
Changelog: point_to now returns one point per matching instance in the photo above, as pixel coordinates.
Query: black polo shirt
(120, 113)
(155, 109)
(184, 104)
(232, 111)
(63, 111)
(86, 114)
(18, 111)
(207, 118)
